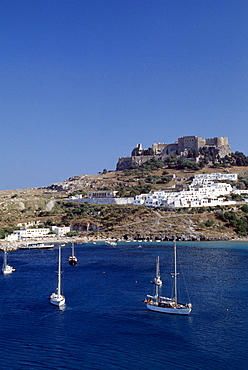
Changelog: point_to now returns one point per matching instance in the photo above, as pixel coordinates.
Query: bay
(105, 324)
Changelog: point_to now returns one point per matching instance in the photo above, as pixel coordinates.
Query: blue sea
(105, 324)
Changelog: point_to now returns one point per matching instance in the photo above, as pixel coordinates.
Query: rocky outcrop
(181, 147)
(50, 205)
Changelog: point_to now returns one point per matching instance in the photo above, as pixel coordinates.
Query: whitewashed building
(32, 233)
(101, 197)
(217, 176)
(203, 192)
(12, 237)
(61, 230)
(239, 192)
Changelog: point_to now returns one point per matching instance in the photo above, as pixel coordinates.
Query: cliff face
(125, 163)
(224, 150)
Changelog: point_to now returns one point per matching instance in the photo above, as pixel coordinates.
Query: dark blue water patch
(105, 324)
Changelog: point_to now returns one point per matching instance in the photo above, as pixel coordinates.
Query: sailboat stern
(57, 299)
(7, 270)
(72, 260)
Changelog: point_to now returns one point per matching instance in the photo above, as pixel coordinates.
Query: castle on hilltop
(183, 147)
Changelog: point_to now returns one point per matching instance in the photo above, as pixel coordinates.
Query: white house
(102, 194)
(12, 238)
(217, 176)
(61, 230)
(203, 192)
(239, 192)
(31, 233)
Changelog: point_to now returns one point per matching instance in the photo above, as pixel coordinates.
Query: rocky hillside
(49, 205)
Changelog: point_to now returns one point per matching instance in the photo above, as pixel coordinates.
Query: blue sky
(83, 81)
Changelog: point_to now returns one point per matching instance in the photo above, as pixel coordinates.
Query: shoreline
(65, 240)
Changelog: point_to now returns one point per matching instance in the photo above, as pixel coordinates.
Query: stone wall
(161, 150)
(188, 143)
(125, 163)
(158, 148)
(129, 200)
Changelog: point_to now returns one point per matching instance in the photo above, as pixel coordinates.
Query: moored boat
(58, 299)
(72, 258)
(161, 304)
(6, 269)
(112, 243)
(37, 246)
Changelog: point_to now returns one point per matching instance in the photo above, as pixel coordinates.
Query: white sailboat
(164, 304)
(57, 298)
(6, 269)
(72, 258)
(111, 242)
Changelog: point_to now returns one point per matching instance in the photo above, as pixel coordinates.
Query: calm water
(105, 325)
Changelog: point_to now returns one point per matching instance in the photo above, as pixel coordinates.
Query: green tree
(241, 185)
(244, 208)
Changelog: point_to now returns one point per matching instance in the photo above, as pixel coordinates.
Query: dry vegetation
(48, 206)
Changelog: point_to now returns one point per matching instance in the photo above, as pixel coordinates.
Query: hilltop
(49, 205)
(194, 147)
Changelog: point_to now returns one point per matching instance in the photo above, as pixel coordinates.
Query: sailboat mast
(175, 272)
(5, 259)
(59, 273)
(157, 269)
(156, 282)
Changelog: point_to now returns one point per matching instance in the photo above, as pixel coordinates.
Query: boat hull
(72, 261)
(37, 246)
(113, 244)
(170, 310)
(57, 300)
(7, 270)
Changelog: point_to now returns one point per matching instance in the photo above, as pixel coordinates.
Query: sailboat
(164, 304)
(6, 269)
(57, 298)
(72, 258)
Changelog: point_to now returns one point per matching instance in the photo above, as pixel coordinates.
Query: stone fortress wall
(180, 147)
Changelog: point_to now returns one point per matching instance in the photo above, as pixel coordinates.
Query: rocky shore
(10, 246)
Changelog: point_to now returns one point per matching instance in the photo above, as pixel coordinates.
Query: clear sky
(83, 81)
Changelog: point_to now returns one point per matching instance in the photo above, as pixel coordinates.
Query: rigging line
(184, 280)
